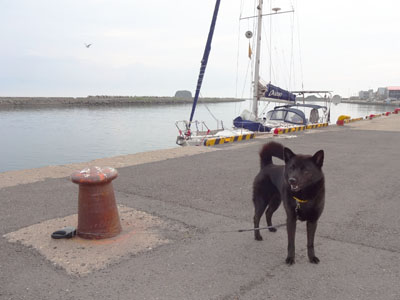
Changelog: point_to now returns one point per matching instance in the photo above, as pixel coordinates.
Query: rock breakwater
(101, 100)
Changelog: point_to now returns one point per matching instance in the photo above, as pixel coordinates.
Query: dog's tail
(269, 150)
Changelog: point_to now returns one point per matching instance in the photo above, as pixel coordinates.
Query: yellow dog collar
(299, 200)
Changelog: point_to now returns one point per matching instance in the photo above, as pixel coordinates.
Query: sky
(154, 48)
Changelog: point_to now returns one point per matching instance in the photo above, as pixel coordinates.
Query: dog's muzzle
(293, 184)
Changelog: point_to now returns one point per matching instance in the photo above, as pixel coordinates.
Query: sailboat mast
(256, 95)
(204, 59)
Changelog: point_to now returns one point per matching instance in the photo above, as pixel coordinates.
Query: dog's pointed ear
(318, 158)
(287, 154)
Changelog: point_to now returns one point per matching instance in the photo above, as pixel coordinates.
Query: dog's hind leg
(260, 205)
(272, 207)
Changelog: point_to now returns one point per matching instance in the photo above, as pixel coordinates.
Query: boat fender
(343, 117)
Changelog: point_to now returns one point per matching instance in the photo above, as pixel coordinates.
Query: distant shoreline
(392, 103)
(361, 102)
(46, 102)
(14, 102)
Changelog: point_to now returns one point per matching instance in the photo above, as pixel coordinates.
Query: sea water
(37, 137)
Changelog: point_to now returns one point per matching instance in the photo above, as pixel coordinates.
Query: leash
(219, 231)
(262, 228)
(298, 202)
(248, 229)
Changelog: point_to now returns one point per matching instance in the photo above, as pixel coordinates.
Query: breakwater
(101, 100)
(7, 102)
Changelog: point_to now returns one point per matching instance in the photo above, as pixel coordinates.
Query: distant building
(381, 93)
(365, 95)
(393, 92)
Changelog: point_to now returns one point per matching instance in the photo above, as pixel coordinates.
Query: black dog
(300, 184)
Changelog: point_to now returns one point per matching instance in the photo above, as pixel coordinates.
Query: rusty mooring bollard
(97, 210)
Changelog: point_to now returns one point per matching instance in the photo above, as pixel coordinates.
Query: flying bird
(88, 45)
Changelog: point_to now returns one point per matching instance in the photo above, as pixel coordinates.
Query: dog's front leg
(291, 231)
(311, 228)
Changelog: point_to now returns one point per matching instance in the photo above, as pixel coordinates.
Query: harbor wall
(101, 100)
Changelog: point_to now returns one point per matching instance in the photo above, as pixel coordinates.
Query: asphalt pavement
(205, 198)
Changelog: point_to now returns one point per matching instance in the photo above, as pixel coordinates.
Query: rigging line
(286, 76)
(238, 106)
(273, 75)
(238, 50)
(301, 64)
(267, 48)
(251, 86)
(270, 66)
(265, 108)
(291, 67)
(241, 9)
(282, 60)
(244, 83)
(277, 57)
(237, 65)
(253, 61)
(270, 42)
(208, 109)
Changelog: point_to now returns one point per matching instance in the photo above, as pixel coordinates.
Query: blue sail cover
(250, 125)
(278, 93)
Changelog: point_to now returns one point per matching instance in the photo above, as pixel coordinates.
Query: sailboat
(201, 134)
(291, 114)
(288, 115)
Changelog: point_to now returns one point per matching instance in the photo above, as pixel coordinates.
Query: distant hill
(183, 94)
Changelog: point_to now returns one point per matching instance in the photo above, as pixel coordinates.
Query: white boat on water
(200, 135)
(291, 113)
(284, 116)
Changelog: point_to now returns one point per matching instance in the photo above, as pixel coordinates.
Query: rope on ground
(214, 231)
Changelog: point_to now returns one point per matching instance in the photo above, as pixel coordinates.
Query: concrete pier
(179, 212)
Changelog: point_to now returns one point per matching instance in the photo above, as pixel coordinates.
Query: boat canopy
(287, 115)
(316, 106)
(278, 93)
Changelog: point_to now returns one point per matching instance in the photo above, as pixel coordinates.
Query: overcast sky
(154, 47)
